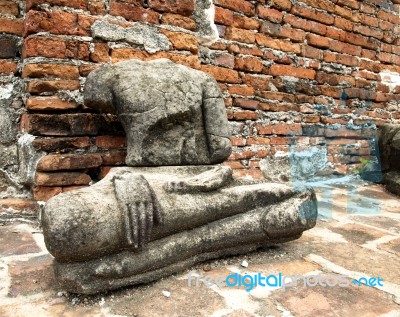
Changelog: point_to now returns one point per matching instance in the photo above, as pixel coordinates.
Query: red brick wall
(311, 69)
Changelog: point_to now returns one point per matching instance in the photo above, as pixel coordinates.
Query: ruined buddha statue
(172, 206)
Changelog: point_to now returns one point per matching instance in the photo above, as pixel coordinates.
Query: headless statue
(171, 208)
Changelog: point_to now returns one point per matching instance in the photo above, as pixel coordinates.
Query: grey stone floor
(358, 235)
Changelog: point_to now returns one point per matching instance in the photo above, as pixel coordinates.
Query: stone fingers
(128, 226)
(133, 213)
(149, 221)
(157, 210)
(142, 225)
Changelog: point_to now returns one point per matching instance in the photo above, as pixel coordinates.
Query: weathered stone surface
(295, 165)
(238, 218)
(150, 98)
(392, 182)
(389, 148)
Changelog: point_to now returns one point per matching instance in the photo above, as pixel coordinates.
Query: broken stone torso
(172, 115)
(171, 208)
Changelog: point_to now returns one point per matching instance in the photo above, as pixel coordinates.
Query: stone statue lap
(172, 207)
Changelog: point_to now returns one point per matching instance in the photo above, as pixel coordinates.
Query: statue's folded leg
(234, 235)
(77, 228)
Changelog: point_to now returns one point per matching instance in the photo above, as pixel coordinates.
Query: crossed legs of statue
(153, 222)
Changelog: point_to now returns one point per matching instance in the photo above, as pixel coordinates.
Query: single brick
(241, 90)
(277, 44)
(223, 16)
(304, 24)
(350, 3)
(111, 141)
(77, 4)
(9, 7)
(8, 67)
(61, 179)
(393, 18)
(58, 162)
(246, 103)
(284, 5)
(243, 22)
(245, 115)
(183, 7)
(324, 5)
(240, 35)
(357, 39)
(12, 26)
(312, 14)
(286, 70)
(269, 14)
(318, 41)
(365, 30)
(239, 49)
(49, 103)
(225, 60)
(183, 41)
(123, 54)
(222, 74)
(335, 33)
(258, 141)
(100, 53)
(97, 8)
(61, 144)
(132, 13)
(270, 28)
(344, 24)
(187, 60)
(50, 70)
(311, 52)
(258, 82)
(280, 129)
(343, 12)
(249, 64)
(344, 48)
(294, 34)
(178, 20)
(40, 86)
(8, 47)
(240, 6)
